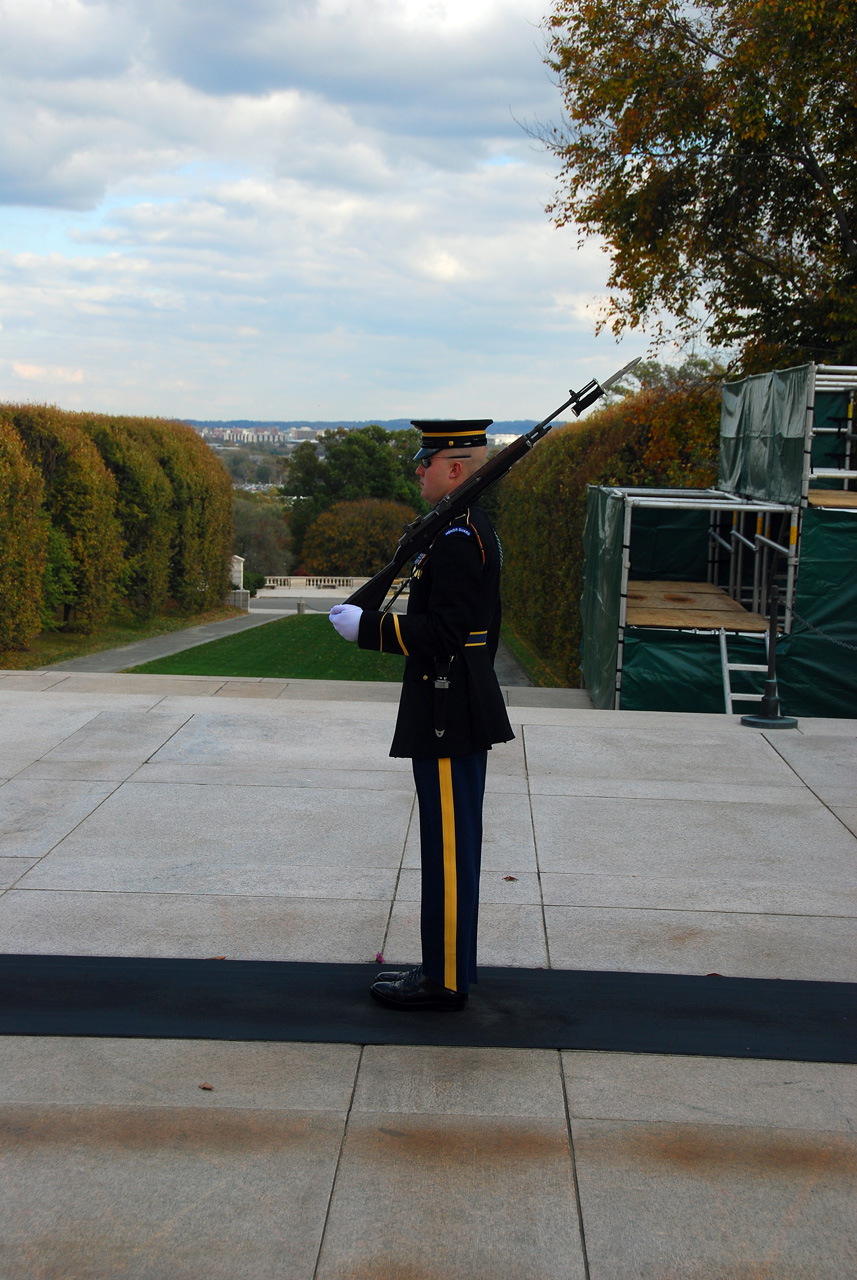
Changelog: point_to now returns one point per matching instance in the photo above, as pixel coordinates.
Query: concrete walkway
(174, 816)
(273, 603)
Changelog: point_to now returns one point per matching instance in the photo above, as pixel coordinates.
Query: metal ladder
(728, 667)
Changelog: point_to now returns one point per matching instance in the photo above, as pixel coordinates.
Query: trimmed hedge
(660, 437)
(23, 541)
(102, 510)
(144, 507)
(201, 507)
(80, 501)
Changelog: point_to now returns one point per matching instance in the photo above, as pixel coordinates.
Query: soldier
(451, 711)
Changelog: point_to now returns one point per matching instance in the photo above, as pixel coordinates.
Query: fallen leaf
(380, 959)
(217, 957)
(510, 877)
(209, 1087)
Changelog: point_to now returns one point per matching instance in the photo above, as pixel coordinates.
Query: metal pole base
(770, 722)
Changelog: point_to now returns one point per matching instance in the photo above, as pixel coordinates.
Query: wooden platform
(688, 604)
(832, 498)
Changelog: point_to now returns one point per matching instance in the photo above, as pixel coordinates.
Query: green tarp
(762, 434)
(671, 670)
(671, 545)
(602, 582)
(831, 408)
(681, 670)
(819, 671)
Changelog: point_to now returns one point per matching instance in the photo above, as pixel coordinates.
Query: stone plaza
(155, 816)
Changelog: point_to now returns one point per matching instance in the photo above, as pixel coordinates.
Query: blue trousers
(450, 792)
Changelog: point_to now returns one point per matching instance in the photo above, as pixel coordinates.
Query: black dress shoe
(391, 975)
(414, 990)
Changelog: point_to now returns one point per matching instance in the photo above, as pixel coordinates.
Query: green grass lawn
(60, 646)
(305, 647)
(300, 647)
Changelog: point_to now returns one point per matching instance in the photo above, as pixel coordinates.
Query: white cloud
(317, 208)
(45, 373)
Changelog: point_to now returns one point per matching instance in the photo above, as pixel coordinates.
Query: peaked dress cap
(450, 433)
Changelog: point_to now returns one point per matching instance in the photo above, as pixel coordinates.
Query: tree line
(348, 495)
(98, 511)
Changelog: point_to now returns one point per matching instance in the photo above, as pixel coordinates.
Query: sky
(287, 209)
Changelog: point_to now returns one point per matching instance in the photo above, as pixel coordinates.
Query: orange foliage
(355, 538)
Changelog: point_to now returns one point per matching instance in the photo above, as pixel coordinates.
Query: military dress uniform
(449, 634)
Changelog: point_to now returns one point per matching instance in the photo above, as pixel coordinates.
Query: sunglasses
(425, 463)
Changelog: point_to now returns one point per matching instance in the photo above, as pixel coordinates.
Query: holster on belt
(441, 693)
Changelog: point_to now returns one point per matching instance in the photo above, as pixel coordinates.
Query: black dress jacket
(453, 618)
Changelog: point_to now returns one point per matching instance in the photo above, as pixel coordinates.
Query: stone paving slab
(734, 943)
(592, 751)
(150, 1192)
(308, 1160)
(702, 892)
(334, 930)
(654, 1088)
(489, 1198)
(700, 1200)
(677, 837)
(36, 815)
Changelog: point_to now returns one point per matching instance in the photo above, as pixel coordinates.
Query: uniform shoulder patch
(457, 528)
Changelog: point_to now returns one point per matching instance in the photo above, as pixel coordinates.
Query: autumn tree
(713, 146)
(355, 537)
(261, 534)
(346, 466)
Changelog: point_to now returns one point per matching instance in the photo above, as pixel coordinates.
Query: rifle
(425, 529)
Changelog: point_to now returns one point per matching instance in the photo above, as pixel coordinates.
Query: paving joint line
(398, 875)
(536, 849)
(294, 897)
(40, 758)
(338, 1163)
(575, 1181)
(48, 852)
(810, 789)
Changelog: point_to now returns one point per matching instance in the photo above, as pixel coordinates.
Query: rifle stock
(423, 531)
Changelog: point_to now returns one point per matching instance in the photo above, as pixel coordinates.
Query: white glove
(346, 620)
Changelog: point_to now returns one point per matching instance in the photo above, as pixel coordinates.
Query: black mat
(518, 1008)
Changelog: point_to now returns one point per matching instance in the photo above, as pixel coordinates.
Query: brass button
(425, 677)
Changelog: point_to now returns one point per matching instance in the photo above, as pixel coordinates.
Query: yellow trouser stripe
(399, 635)
(450, 881)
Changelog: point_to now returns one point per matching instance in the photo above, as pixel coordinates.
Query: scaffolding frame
(740, 526)
(715, 502)
(830, 378)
